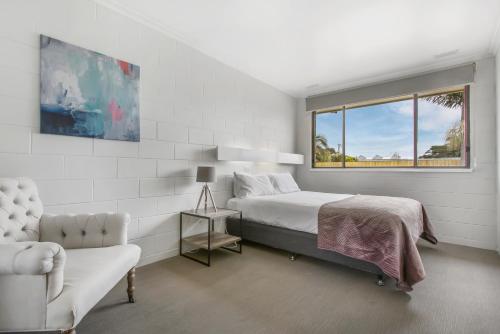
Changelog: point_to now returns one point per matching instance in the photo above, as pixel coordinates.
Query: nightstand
(210, 240)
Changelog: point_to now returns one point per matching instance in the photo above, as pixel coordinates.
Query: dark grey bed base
(296, 242)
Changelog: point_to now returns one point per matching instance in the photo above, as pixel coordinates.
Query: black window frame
(415, 97)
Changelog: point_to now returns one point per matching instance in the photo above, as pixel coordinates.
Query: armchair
(57, 267)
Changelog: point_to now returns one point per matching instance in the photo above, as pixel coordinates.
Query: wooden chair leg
(131, 285)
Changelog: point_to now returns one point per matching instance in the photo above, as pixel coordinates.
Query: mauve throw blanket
(378, 229)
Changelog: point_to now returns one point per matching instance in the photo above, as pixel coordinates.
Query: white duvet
(296, 211)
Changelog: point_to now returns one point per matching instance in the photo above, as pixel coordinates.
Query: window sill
(393, 170)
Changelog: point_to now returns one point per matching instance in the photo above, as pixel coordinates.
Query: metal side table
(210, 240)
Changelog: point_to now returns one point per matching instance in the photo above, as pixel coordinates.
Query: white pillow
(247, 185)
(283, 183)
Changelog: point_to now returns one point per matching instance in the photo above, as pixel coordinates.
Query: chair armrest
(85, 230)
(35, 258)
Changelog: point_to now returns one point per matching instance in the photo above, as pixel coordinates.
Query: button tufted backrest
(20, 210)
(85, 230)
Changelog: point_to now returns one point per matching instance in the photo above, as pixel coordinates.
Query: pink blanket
(378, 229)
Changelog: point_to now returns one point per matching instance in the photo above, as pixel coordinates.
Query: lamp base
(205, 191)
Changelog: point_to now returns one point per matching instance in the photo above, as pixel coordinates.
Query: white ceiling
(305, 47)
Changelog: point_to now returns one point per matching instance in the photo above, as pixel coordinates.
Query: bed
(291, 221)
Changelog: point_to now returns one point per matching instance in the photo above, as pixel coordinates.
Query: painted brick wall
(189, 104)
(497, 81)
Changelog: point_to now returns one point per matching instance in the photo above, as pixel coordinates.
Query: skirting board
(158, 257)
(226, 153)
(466, 242)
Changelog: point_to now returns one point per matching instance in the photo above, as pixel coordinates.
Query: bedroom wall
(462, 205)
(189, 104)
(497, 84)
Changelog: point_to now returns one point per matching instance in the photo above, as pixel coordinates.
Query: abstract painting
(87, 94)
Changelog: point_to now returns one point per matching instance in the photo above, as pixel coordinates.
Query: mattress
(296, 211)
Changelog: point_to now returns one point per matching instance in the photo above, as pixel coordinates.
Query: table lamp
(205, 174)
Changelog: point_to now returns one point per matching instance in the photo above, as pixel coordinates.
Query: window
(419, 131)
(328, 148)
(441, 130)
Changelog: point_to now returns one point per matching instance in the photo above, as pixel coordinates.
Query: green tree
(322, 153)
(455, 137)
(321, 142)
(449, 100)
(453, 146)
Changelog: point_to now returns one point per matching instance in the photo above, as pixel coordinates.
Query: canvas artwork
(87, 94)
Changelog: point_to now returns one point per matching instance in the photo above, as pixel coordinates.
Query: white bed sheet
(296, 211)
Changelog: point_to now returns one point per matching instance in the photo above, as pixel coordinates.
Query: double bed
(375, 234)
(296, 211)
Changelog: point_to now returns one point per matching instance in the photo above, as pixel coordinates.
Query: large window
(418, 131)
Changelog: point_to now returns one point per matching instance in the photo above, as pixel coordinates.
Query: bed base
(297, 242)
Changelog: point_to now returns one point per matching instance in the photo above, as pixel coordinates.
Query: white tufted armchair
(55, 268)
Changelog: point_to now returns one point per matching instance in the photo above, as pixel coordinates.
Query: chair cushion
(85, 230)
(89, 274)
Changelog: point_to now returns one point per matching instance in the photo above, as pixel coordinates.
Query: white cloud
(405, 110)
(433, 117)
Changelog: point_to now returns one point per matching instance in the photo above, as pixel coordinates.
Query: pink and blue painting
(87, 94)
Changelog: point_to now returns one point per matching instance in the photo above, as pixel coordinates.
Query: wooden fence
(394, 163)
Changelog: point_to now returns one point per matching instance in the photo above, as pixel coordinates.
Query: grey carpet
(261, 291)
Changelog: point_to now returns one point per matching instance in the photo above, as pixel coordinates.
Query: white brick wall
(23, 114)
(49, 144)
(115, 148)
(187, 185)
(170, 168)
(173, 132)
(497, 80)
(157, 187)
(131, 167)
(88, 167)
(65, 191)
(201, 136)
(156, 149)
(171, 204)
(105, 189)
(149, 226)
(148, 129)
(36, 166)
(188, 152)
(139, 207)
(189, 102)
(15, 139)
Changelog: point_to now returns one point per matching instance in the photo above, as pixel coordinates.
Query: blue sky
(388, 128)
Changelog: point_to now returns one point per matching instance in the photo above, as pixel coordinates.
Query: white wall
(189, 104)
(497, 82)
(462, 206)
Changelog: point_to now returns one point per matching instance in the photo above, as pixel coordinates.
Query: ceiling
(306, 47)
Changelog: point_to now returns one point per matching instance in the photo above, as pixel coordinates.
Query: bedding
(247, 185)
(296, 211)
(378, 229)
(283, 183)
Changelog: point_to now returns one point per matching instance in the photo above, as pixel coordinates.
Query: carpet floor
(261, 291)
